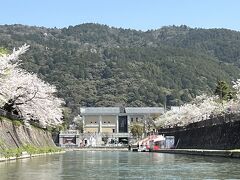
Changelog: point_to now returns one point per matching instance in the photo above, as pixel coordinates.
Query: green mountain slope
(97, 65)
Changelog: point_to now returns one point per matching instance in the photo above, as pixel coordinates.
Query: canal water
(119, 165)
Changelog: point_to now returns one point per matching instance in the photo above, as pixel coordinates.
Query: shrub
(16, 123)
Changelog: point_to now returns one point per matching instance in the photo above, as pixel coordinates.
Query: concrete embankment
(98, 149)
(3, 159)
(202, 152)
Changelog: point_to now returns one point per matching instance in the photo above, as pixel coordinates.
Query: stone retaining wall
(221, 132)
(13, 136)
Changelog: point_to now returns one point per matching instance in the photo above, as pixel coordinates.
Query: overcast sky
(134, 14)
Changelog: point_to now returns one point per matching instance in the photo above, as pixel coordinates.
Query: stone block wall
(12, 136)
(221, 132)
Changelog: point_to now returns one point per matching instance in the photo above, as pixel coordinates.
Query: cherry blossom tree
(235, 104)
(199, 109)
(25, 94)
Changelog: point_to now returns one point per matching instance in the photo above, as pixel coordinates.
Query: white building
(69, 138)
(112, 123)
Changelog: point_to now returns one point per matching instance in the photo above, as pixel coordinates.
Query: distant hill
(98, 65)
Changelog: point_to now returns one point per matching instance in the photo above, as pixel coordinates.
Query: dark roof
(144, 110)
(116, 110)
(99, 110)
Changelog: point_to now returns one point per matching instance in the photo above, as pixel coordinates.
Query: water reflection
(120, 165)
(30, 168)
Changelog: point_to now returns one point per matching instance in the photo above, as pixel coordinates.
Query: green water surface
(119, 165)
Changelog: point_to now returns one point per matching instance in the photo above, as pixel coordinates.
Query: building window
(104, 122)
(131, 119)
(113, 130)
(136, 119)
(95, 122)
(123, 124)
(91, 122)
(108, 122)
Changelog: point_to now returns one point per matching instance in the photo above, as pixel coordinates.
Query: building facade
(112, 124)
(69, 138)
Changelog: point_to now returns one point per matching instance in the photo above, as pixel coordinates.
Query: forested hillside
(97, 65)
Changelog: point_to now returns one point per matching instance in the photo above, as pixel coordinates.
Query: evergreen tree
(223, 91)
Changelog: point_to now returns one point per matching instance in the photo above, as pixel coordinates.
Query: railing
(3, 112)
(114, 135)
(108, 125)
(9, 115)
(70, 132)
(215, 120)
(69, 145)
(91, 125)
(97, 125)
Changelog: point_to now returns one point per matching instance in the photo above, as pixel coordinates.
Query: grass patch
(2, 143)
(2, 118)
(16, 152)
(17, 123)
(30, 149)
